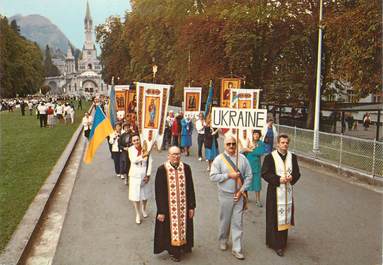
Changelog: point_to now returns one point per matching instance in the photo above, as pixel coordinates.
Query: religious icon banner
(226, 85)
(152, 107)
(244, 99)
(131, 105)
(192, 101)
(120, 97)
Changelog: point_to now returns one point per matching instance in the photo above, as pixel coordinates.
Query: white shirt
(67, 109)
(87, 122)
(113, 140)
(42, 109)
(200, 127)
(59, 109)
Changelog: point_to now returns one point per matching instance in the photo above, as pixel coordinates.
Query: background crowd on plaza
(48, 110)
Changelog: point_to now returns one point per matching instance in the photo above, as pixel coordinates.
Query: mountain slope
(41, 30)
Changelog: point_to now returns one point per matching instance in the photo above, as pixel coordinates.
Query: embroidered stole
(284, 191)
(177, 203)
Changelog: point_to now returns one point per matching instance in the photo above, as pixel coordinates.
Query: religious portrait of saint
(192, 102)
(226, 93)
(152, 112)
(132, 105)
(120, 102)
(226, 85)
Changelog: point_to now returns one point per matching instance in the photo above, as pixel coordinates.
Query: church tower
(70, 66)
(88, 23)
(89, 61)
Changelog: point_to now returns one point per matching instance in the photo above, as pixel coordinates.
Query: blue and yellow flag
(209, 100)
(101, 128)
(112, 107)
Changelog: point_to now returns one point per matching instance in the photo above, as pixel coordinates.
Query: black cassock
(276, 239)
(162, 235)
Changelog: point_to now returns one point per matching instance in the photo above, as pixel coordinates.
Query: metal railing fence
(346, 152)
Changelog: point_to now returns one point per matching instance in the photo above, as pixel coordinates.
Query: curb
(342, 172)
(28, 226)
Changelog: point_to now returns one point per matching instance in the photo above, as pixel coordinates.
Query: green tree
(272, 44)
(21, 65)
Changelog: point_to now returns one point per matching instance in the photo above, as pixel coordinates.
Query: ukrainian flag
(100, 130)
(209, 100)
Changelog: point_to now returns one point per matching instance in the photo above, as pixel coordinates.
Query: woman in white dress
(139, 175)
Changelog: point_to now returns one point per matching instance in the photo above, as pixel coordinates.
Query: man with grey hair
(232, 172)
(175, 200)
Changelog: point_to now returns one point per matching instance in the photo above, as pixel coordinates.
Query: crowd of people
(237, 172)
(48, 110)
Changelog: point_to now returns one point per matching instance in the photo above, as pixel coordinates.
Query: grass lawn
(27, 155)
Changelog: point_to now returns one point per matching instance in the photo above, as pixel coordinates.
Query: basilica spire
(88, 17)
(88, 24)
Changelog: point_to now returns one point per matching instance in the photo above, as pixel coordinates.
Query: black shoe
(279, 252)
(175, 258)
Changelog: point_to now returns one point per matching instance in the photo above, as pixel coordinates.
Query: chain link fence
(345, 152)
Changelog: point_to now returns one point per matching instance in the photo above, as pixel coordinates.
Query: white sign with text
(239, 118)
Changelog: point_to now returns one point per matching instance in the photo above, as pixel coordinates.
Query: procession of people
(237, 171)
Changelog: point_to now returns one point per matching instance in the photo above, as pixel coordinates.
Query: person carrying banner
(186, 134)
(233, 179)
(139, 175)
(175, 200)
(176, 130)
(115, 149)
(269, 135)
(124, 142)
(281, 171)
(200, 127)
(211, 143)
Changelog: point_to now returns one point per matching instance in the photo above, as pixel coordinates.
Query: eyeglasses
(232, 144)
(175, 154)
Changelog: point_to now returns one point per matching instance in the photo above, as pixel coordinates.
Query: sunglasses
(233, 144)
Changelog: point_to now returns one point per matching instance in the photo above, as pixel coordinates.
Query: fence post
(340, 151)
(373, 159)
(295, 137)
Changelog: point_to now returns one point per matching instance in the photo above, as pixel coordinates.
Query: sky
(68, 15)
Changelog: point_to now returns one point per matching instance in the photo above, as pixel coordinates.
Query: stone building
(86, 80)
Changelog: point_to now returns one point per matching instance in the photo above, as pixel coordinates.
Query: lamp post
(318, 84)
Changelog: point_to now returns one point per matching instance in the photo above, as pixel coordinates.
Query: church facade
(86, 80)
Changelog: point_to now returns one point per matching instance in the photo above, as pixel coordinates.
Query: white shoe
(118, 175)
(200, 159)
(238, 255)
(222, 246)
(126, 181)
(138, 219)
(122, 176)
(144, 213)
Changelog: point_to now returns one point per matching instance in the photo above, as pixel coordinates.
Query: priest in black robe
(276, 238)
(175, 199)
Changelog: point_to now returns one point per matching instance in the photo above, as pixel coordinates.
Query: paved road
(336, 223)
